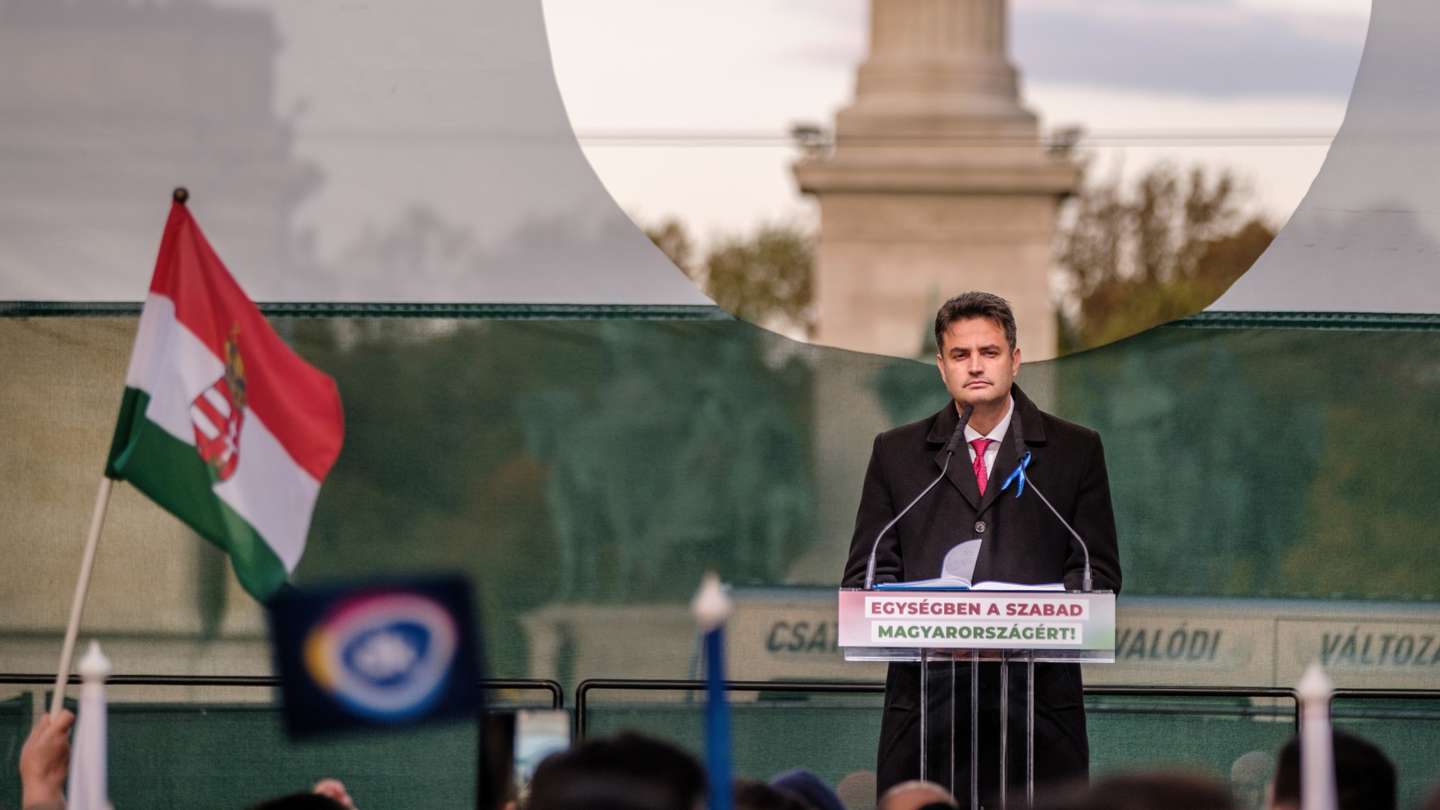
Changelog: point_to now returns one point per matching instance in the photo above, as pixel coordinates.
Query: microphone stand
(1086, 582)
(950, 446)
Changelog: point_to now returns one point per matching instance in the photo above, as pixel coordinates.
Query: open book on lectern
(956, 573)
(953, 584)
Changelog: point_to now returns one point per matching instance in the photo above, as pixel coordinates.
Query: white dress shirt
(995, 435)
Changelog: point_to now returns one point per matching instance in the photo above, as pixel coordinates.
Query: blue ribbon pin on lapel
(1017, 475)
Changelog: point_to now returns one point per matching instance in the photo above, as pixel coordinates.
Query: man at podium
(1019, 542)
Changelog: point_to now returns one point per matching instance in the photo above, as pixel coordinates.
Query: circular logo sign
(383, 656)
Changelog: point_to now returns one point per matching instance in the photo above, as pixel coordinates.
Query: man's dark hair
(974, 305)
(810, 788)
(299, 801)
(752, 794)
(624, 772)
(1364, 776)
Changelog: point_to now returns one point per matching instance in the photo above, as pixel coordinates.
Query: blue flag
(376, 655)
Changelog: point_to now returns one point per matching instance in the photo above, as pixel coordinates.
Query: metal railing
(553, 688)
(1198, 692)
(1383, 695)
(585, 688)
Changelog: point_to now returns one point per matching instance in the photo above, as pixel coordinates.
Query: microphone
(950, 446)
(958, 437)
(1086, 583)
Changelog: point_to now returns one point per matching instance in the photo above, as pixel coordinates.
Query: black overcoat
(1022, 543)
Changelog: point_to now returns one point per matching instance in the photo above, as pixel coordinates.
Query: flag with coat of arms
(221, 423)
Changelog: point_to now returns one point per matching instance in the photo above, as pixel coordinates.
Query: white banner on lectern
(967, 634)
(896, 625)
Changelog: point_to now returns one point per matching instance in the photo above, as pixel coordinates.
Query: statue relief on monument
(938, 183)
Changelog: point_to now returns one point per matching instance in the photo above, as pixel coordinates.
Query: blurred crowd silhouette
(631, 771)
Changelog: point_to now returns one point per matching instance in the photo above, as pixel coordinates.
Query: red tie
(980, 446)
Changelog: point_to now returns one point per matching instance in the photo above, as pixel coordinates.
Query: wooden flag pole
(82, 587)
(87, 561)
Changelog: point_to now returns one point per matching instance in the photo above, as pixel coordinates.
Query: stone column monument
(938, 183)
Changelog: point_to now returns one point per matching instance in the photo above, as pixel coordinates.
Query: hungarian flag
(222, 424)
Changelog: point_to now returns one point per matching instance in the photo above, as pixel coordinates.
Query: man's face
(977, 364)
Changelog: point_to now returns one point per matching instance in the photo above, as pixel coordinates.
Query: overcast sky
(1121, 66)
